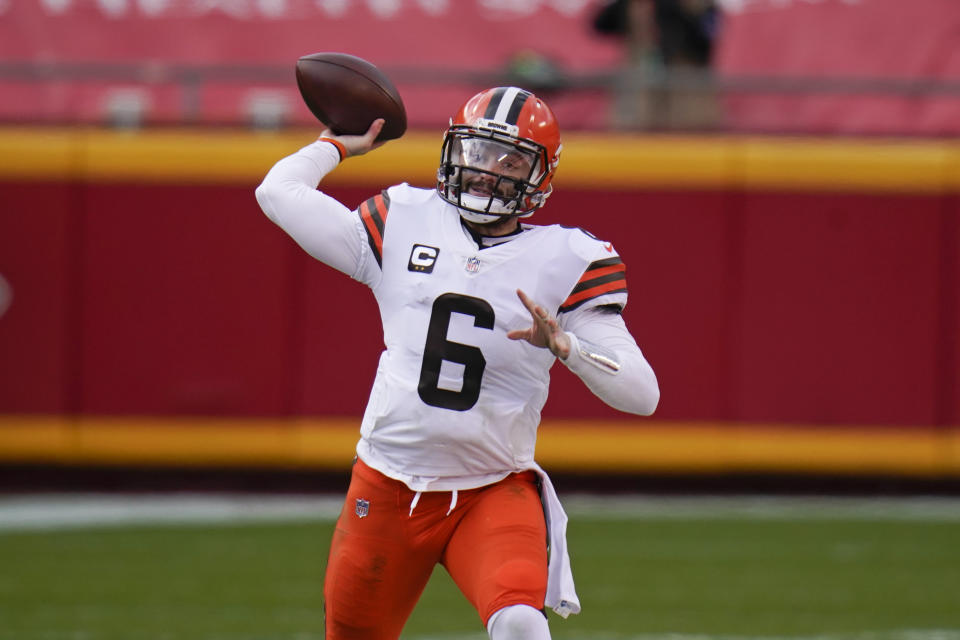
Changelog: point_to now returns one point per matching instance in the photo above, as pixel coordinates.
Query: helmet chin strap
(479, 218)
(483, 209)
(497, 211)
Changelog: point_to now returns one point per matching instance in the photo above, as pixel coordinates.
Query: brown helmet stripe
(514, 114)
(494, 103)
(501, 111)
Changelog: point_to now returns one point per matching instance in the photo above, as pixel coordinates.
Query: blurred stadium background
(782, 178)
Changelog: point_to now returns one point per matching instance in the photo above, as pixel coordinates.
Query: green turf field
(659, 573)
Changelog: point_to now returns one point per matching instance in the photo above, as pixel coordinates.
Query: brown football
(347, 93)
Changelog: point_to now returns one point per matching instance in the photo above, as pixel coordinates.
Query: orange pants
(493, 544)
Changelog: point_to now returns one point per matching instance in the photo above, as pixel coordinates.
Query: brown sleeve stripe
(373, 213)
(592, 274)
(575, 300)
(601, 277)
(600, 264)
(600, 269)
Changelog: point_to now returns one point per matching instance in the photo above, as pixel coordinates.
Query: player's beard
(486, 186)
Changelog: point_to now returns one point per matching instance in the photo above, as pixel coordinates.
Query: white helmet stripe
(506, 107)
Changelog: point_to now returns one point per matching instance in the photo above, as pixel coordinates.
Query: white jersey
(455, 403)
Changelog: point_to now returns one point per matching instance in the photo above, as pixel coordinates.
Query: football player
(477, 305)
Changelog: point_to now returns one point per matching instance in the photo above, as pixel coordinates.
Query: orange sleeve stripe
(373, 213)
(596, 273)
(593, 292)
(342, 150)
(380, 201)
(577, 299)
(604, 276)
(371, 226)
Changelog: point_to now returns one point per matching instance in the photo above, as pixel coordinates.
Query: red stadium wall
(782, 307)
(841, 66)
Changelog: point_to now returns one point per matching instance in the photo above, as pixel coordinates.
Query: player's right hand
(545, 332)
(359, 145)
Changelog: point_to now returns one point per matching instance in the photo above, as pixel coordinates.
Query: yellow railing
(590, 446)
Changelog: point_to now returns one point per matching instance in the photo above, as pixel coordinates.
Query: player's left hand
(545, 332)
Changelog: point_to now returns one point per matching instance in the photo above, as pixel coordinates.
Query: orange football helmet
(499, 155)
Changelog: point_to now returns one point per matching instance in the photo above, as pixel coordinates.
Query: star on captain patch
(363, 508)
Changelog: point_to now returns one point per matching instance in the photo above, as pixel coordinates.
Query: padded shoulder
(587, 246)
(603, 281)
(406, 194)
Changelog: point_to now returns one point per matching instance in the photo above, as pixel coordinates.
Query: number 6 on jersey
(438, 348)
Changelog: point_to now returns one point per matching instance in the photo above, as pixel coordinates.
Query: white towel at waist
(561, 594)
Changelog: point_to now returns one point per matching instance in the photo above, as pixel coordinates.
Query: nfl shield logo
(473, 265)
(362, 508)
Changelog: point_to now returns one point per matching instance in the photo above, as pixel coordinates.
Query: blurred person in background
(476, 308)
(668, 44)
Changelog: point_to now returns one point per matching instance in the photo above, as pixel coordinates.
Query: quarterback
(476, 305)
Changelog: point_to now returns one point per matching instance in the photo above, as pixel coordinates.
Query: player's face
(493, 159)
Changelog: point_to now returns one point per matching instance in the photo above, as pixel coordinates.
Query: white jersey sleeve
(605, 356)
(372, 215)
(603, 353)
(325, 228)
